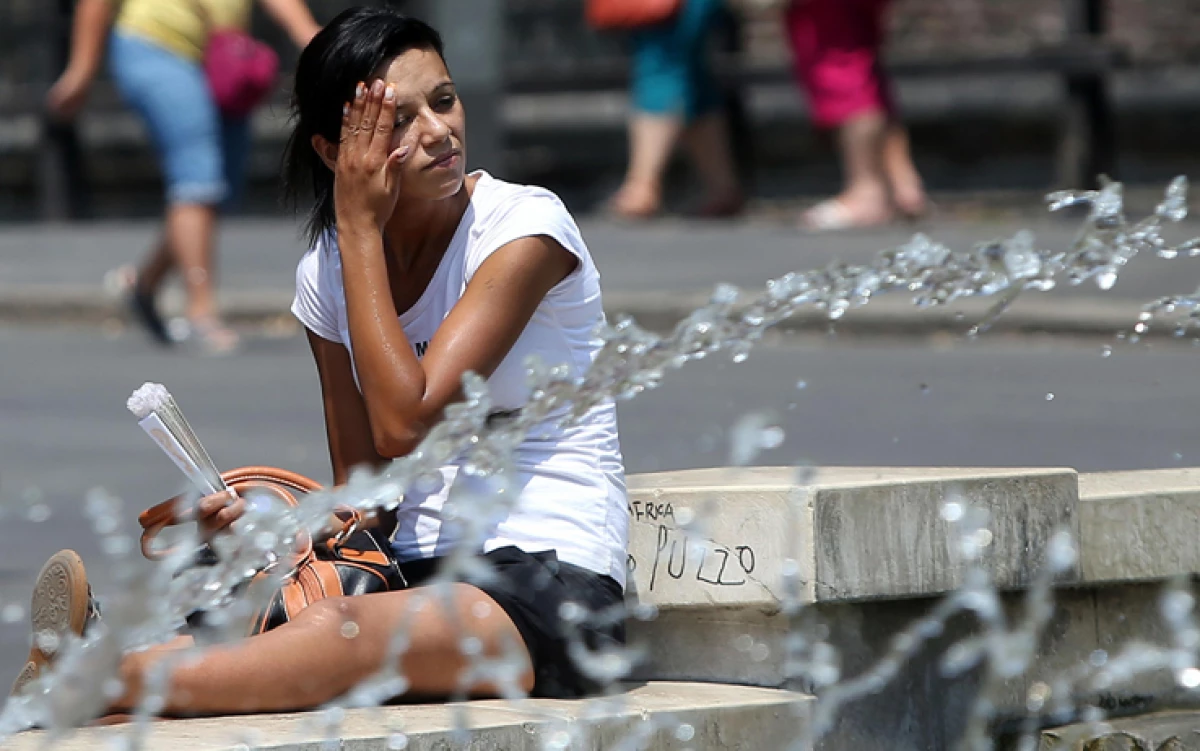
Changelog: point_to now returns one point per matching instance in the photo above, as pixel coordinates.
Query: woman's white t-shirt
(571, 479)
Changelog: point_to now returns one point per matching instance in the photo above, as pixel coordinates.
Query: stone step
(1139, 525)
(1163, 731)
(648, 716)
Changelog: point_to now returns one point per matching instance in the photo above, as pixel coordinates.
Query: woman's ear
(326, 150)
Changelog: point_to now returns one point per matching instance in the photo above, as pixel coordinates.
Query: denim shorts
(202, 155)
(532, 589)
(671, 74)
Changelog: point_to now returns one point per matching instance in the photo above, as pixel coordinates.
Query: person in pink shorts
(836, 46)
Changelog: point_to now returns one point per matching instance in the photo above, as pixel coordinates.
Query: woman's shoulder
(505, 212)
(497, 200)
(317, 262)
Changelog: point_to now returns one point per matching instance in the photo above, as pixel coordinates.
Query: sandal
(621, 208)
(62, 605)
(832, 215)
(209, 335)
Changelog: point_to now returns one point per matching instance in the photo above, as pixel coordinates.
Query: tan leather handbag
(349, 561)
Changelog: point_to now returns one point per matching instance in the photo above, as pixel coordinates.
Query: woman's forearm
(88, 32)
(391, 377)
(294, 17)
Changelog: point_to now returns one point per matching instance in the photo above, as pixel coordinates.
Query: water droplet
(1050, 397)
(1106, 351)
(116, 546)
(113, 688)
(481, 610)
(397, 742)
(1176, 605)
(685, 732)
(772, 437)
(572, 612)
(1177, 456)
(1098, 658)
(470, 646)
(48, 641)
(1189, 678)
(801, 385)
(350, 630)
(952, 511)
(1039, 692)
(11, 613)
(38, 513)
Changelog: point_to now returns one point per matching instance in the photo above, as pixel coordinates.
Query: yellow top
(181, 26)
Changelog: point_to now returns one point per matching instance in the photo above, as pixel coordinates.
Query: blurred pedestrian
(674, 94)
(836, 45)
(156, 55)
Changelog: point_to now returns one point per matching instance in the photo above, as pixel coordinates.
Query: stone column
(474, 31)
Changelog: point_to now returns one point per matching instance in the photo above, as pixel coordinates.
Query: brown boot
(62, 604)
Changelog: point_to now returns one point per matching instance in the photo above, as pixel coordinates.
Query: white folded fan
(161, 418)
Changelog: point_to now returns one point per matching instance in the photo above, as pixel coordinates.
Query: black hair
(350, 49)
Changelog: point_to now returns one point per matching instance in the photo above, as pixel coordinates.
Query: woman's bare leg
(155, 267)
(190, 238)
(333, 645)
(707, 141)
(652, 140)
(908, 191)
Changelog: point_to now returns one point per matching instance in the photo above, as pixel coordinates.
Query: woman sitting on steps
(418, 273)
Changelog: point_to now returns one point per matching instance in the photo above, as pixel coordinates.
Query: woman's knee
(332, 613)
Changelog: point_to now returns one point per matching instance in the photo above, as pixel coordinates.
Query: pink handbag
(241, 71)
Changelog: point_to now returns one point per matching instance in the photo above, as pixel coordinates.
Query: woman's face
(429, 119)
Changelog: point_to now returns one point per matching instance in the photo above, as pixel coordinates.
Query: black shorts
(532, 589)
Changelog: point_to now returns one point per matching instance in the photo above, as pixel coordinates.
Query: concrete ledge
(874, 554)
(1139, 525)
(660, 715)
(719, 537)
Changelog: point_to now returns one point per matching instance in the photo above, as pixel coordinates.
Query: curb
(655, 311)
(897, 316)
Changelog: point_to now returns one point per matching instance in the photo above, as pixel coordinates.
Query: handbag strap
(173, 512)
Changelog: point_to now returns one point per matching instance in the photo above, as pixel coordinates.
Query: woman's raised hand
(367, 178)
(214, 513)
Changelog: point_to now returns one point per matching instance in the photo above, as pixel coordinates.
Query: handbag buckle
(352, 526)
